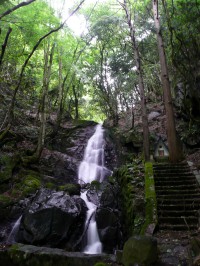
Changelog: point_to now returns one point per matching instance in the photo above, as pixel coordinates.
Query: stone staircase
(178, 197)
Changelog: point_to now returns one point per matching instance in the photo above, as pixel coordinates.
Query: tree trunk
(75, 101)
(48, 59)
(60, 94)
(146, 145)
(175, 152)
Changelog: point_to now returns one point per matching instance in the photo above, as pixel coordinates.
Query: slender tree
(175, 153)
(48, 61)
(146, 145)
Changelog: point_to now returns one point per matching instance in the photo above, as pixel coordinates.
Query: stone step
(178, 220)
(171, 169)
(175, 181)
(170, 166)
(173, 175)
(178, 196)
(177, 213)
(178, 207)
(178, 227)
(178, 201)
(171, 187)
(174, 191)
(168, 170)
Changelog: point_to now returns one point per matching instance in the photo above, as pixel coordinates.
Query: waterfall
(92, 168)
(94, 245)
(15, 228)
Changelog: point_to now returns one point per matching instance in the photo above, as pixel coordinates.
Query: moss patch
(25, 183)
(151, 203)
(71, 189)
(31, 184)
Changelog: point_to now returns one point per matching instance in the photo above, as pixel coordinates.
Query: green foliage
(100, 64)
(129, 177)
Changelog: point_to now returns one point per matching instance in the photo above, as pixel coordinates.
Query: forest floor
(175, 248)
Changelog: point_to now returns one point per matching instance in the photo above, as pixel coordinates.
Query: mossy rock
(83, 123)
(95, 185)
(7, 164)
(50, 185)
(29, 184)
(140, 250)
(71, 189)
(6, 203)
(5, 200)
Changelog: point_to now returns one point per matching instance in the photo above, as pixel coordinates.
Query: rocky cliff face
(53, 178)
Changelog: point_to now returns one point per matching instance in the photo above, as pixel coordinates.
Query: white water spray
(11, 237)
(92, 168)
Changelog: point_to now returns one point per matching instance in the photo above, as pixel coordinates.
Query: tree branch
(16, 7)
(3, 48)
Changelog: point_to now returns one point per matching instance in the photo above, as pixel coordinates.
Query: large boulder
(61, 167)
(109, 196)
(108, 228)
(53, 219)
(140, 250)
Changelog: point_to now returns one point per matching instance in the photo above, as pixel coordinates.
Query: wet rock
(109, 195)
(23, 255)
(153, 115)
(140, 250)
(53, 219)
(110, 151)
(61, 166)
(108, 228)
(94, 195)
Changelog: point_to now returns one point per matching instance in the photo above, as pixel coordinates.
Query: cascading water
(94, 246)
(11, 237)
(92, 168)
